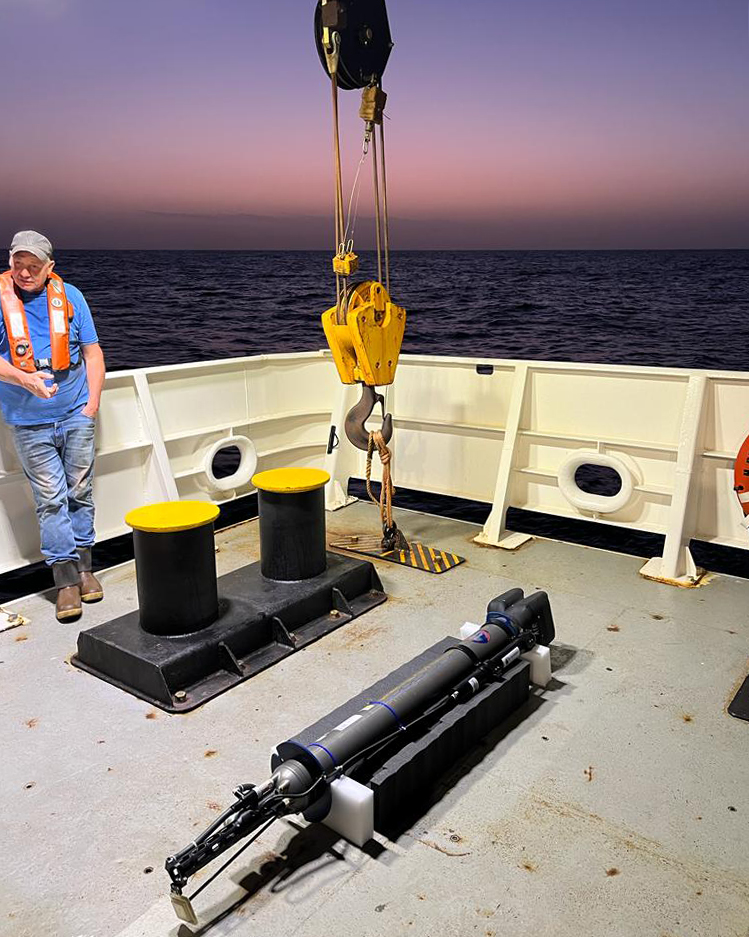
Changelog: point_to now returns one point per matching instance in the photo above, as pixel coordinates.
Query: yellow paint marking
(423, 557)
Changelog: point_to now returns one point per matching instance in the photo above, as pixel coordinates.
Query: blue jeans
(58, 460)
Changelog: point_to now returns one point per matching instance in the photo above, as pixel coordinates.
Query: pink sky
(540, 124)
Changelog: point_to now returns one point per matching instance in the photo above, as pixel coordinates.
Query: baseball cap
(33, 242)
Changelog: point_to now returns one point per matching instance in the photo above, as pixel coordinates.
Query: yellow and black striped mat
(417, 556)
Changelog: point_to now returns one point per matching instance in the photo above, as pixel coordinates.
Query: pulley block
(367, 344)
(364, 39)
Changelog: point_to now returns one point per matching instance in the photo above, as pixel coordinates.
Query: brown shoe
(68, 603)
(91, 588)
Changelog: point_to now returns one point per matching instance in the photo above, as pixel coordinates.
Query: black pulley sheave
(365, 39)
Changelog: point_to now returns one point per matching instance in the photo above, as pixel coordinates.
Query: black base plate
(739, 706)
(403, 774)
(260, 622)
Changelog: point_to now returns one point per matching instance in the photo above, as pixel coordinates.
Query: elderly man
(51, 376)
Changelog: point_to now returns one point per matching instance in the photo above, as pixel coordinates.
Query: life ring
(596, 504)
(741, 476)
(245, 469)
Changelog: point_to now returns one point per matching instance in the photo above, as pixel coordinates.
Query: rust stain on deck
(539, 807)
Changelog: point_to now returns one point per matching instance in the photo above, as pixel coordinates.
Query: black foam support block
(259, 623)
(403, 775)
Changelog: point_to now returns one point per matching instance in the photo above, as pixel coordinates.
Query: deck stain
(445, 852)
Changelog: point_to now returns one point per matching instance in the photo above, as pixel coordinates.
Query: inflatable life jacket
(741, 477)
(17, 327)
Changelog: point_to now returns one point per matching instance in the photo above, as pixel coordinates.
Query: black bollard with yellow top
(175, 562)
(194, 636)
(291, 505)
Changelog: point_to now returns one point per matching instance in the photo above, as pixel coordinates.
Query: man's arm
(33, 383)
(93, 358)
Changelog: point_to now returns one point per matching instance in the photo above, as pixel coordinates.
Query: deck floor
(615, 803)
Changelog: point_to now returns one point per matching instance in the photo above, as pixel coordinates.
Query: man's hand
(34, 384)
(90, 410)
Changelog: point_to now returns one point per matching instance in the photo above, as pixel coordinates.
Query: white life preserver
(597, 504)
(245, 469)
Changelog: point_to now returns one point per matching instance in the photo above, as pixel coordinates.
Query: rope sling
(385, 501)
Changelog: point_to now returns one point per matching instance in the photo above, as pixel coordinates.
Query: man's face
(29, 272)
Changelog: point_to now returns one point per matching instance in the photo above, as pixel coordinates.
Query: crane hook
(356, 431)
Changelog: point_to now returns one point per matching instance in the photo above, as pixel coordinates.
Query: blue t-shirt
(19, 406)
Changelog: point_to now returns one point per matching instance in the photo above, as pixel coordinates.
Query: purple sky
(531, 124)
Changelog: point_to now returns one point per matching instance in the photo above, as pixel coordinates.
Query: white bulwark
(506, 432)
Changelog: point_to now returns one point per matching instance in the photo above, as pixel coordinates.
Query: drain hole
(598, 480)
(226, 462)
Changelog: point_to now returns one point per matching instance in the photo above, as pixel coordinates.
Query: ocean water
(663, 308)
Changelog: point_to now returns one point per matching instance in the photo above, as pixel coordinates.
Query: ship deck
(614, 802)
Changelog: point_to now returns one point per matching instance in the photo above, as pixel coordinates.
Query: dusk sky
(525, 124)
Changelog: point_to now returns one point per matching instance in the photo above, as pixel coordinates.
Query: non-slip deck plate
(417, 556)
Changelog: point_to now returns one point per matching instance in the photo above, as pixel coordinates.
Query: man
(51, 376)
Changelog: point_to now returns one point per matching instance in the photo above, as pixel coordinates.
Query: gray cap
(33, 242)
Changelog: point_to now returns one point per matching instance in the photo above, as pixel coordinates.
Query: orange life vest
(741, 476)
(17, 327)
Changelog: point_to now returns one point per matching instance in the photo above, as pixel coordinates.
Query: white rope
(355, 191)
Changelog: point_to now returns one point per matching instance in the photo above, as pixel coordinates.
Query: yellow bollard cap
(171, 516)
(290, 481)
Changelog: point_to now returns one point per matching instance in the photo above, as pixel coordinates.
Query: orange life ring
(741, 476)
